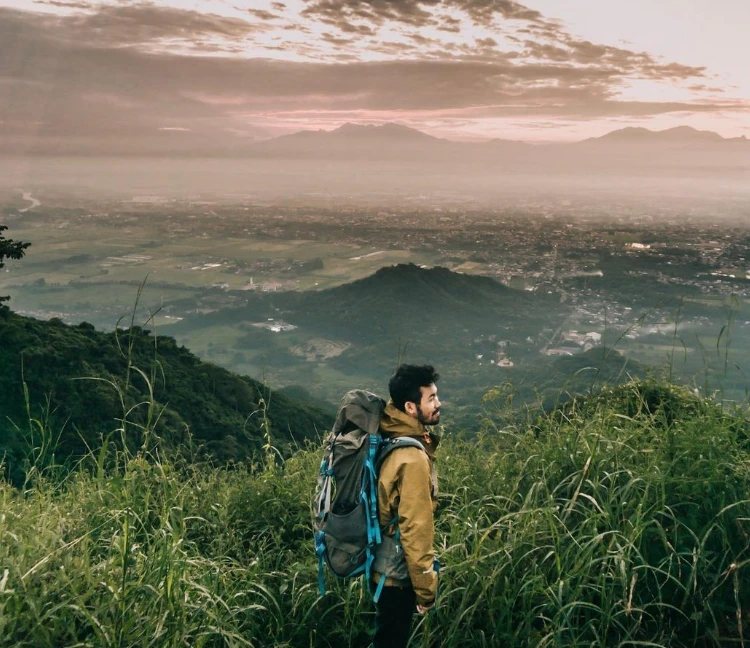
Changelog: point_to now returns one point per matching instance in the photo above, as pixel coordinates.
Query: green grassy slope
(81, 385)
(621, 520)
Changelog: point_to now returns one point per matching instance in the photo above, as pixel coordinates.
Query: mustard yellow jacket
(407, 489)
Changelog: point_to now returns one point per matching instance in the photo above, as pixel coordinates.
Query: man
(407, 492)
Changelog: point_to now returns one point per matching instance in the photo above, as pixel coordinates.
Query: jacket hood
(395, 423)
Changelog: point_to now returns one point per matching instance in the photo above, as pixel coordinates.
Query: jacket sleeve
(416, 523)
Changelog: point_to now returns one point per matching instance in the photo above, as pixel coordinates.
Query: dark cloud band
(105, 72)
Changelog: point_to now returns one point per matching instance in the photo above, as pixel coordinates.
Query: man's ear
(411, 409)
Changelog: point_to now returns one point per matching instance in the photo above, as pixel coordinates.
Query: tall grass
(622, 520)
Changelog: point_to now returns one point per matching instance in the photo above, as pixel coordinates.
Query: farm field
(193, 270)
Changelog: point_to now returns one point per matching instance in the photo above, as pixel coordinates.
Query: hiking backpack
(345, 508)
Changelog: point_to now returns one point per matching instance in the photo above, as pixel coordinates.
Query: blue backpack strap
(370, 496)
(379, 588)
(370, 487)
(320, 551)
(436, 567)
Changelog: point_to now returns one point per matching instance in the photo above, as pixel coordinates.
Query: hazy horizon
(137, 99)
(349, 182)
(132, 77)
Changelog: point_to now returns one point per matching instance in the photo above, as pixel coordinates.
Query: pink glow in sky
(543, 70)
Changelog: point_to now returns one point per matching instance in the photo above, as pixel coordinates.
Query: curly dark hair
(406, 383)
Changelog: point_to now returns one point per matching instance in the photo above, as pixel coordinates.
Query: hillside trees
(10, 249)
(86, 389)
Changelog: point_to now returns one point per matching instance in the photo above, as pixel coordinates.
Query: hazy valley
(328, 290)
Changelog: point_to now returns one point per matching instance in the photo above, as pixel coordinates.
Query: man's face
(427, 411)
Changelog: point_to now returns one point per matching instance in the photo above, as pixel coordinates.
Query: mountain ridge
(395, 130)
(409, 292)
(85, 386)
(393, 142)
(624, 150)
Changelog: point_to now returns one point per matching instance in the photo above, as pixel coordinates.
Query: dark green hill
(410, 301)
(404, 300)
(400, 313)
(82, 384)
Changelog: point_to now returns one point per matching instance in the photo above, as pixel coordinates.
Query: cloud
(486, 10)
(700, 87)
(334, 40)
(449, 24)
(377, 12)
(116, 25)
(420, 13)
(547, 39)
(114, 73)
(263, 15)
(351, 28)
(71, 4)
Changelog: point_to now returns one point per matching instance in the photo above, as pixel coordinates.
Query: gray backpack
(347, 528)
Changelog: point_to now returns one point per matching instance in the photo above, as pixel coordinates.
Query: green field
(621, 522)
(96, 262)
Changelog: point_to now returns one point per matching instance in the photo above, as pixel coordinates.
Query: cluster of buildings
(275, 326)
(573, 343)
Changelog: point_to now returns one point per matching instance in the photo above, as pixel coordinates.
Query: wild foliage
(10, 249)
(132, 388)
(620, 520)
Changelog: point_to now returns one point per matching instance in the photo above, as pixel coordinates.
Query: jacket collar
(395, 423)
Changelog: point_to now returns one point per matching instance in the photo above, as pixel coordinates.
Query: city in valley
(664, 283)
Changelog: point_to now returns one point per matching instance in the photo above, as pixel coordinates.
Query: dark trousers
(393, 614)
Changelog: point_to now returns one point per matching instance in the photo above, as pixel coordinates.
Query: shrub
(621, 519)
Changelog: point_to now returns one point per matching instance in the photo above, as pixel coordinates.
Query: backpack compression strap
(370, 495)
(324, 506)
(386, 448)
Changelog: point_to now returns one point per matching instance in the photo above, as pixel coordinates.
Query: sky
(211, 73)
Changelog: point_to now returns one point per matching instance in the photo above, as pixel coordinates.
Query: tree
(10, 249)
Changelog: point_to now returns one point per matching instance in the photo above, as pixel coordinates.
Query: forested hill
(65, 388)
(436, 302)
(398, 300)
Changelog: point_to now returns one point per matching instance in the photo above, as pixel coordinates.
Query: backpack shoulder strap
(389, 445)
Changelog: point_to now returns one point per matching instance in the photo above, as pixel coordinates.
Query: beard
(433, 419)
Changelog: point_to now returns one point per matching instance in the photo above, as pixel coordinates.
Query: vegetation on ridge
(67, 388)
(10, 249)
(619, 520)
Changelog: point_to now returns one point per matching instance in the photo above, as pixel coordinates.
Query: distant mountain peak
(678, 133)
(389, 129)
(402, 278)
(350, 134)
(396, 300)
